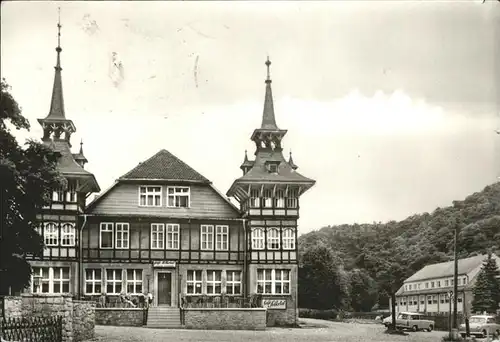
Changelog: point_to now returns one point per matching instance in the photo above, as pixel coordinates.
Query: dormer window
(272, 166)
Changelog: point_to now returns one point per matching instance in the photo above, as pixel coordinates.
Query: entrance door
(164, 288)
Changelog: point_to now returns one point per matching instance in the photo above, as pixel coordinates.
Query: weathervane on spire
(268, 64)
(59, 30)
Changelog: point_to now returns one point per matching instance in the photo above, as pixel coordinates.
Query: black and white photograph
(323, 171)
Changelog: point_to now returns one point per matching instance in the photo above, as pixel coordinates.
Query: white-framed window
(288, 238)
(93, 279)
(58, 195)
(207, 237)
(157, 236)
(71, 192)
(61, 280)
(291, 200)
(51, 234)
(279, 199)
(122, 235)
(233, 282)
(267, 198)
(257, 238)
(106, 235)
(150, 196)
(254, 198)
(273, 281)
(273, 238)
(193, 282)
(178, 197)
(68, 234)
(53, 279)
(113, 281)
(134, 281)
(221, 238)
(45, 281)
(172, 236)
(214, 282)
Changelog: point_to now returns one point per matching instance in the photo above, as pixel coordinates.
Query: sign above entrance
(276, 304)
(164, 264)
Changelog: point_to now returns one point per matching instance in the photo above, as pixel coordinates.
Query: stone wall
(76, 316)
(12, 306)
(83, 320)
(225, 319)
(286, 316)
(132, 317)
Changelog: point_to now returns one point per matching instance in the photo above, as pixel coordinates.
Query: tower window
(273, 238)
(71, 193)
(257, 238)
(292, 200)
(254, 198)
(273, 168)
(288, 238)
(267, 199)
(279, 200)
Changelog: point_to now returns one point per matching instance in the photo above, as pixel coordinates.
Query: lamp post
(455, 281)
(450, 298)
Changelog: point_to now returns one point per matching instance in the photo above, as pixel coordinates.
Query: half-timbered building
(268, 193)
(57, 270)
(163, 229)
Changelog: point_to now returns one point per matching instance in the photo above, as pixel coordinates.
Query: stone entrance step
(164, 317)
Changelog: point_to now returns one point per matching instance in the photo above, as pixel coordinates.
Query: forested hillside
(370, 260)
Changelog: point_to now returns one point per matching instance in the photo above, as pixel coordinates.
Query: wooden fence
(38, 329)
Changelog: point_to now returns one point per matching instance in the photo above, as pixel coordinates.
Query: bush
(318, 314)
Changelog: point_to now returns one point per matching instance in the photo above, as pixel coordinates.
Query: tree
(391, 278)
(487, 288)
(28, 177)
(363, 291)
(321, 281)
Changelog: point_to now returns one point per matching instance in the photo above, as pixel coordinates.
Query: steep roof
(285, 173)
(446, 269)
(268, 118)
(164, 166)
(67, 165)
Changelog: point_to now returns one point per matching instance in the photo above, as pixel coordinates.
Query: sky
(390, 106)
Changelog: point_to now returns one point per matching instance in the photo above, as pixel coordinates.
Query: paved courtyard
(314, 331)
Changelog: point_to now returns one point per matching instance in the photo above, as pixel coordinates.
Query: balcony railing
(221, 301)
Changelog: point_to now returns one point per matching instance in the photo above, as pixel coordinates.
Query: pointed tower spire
(57, 102)
(268, 119)
(80, 157)
(55, 123)
(247, 164)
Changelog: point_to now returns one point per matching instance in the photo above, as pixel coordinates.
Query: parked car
(410, 320)
(481, 325)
